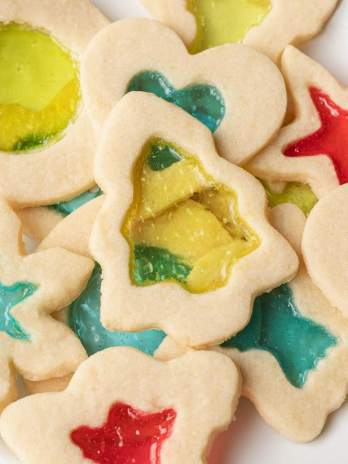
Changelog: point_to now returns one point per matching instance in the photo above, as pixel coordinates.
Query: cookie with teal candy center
(277, 326)
(84, 319)
(204, 102)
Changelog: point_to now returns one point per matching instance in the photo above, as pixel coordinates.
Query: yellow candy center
(182, 225)
(39, 88)
(225, 21)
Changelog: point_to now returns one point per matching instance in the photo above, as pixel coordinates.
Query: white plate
(253, 441)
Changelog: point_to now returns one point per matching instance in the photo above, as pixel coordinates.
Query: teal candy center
(204, 102)
(297, 343)
(9, 298)
(67, 207)
(84, 319)
(162, 157)
(153, 264)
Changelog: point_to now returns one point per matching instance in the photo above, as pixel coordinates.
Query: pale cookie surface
(39, 168)
(294, 353)
(325, 247)
(39, 222)
(216, 86)
(32, 287)
(204, 24)
(182, 235)
(83, 315)
(312, 149)
(122, 406)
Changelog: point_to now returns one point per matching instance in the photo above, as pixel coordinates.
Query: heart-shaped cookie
(216, 86)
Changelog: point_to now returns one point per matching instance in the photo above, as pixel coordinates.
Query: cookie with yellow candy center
(47, 142)
(216, 87)
(83, 315)
(31, 288)
(122, 405)
(182, 233)
(293, 353)
(312, 148)
(203, 24)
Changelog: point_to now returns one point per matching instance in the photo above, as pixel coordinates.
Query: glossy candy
(204, 102)
(67, 207)
(225, 21)
(84, 319)
(298, 194)
(9, 298)
(278, 327)
(331, 139)
(182, 226)
(39, 88)
(129, 436)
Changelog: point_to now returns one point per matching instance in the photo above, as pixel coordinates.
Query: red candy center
(128, 436)
(330, 140)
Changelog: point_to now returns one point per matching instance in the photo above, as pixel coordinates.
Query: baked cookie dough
(312, 149)
(32, 287)
(47, 142)
(243, 109)
(122, 404)
(267, 25)
(182, 235)
(83, 315)
(325, 247)
(293, 355)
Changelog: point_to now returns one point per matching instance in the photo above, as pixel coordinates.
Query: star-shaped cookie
(182, 235)
(216, 86)
(294, 353)
(123, 406)
(32, 287)
(205, 23)
(312, 149)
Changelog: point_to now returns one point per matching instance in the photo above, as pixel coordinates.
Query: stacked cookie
(184, 183)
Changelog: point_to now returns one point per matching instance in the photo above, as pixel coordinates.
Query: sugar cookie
(325, 247)
(216, 86)
(47, 143)
(123, 406)
(267, 25)
(31, 288)
(83, 315)
(312, 148)
(179, 258)
(294, 353)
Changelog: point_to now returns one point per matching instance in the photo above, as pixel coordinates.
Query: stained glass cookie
(267, 25)
(182, 234)
(83, 315)
(325, 247)
(312, 148)
(32, 287)
(123, 406)
(294, 352)
(216, 87)
(47, 142)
